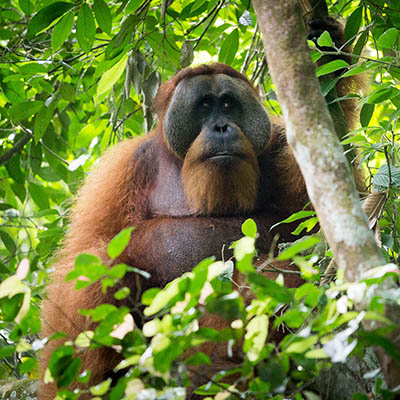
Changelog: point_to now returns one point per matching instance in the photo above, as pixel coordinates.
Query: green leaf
(62, 30)
(84, 339)
(264, 287)
(122, 293)
(101, 388)
(14, 170)
(99, 313)
(353, 25)
(26, 6)
(24, 110)
(11, 286)
(229, 48)
(366, 113)
(119, 242)
(354, 139)
(84, 260)
(68, 92)
(33, 68)
(332, 66)
(5, 206)
(118, 271)
(103, 15)
(308, 224)
(388, 39)
(8, 242)
(42, 121)
(243, 247)
(39, 195)
(302, 345)
(85, 28)
(255, 337)
(198, 358)
(44, 17)
(149, 295)
(295, 217)
(63, 366)
(171, 292)
(298, 247)
(381, 93)
(361, 42)
(325, 40)
(111, 76)
(88, 266)
(359, 68)
(249, 228)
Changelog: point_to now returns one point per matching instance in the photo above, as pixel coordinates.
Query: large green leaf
(62, 30)
(332, 66)
(388, 38)
(256, 335)
(103, 15)
(39, 195)
(44, 17)
(24, 110)
(353, 24)
(111, 76)
(26, 6)
(229, 48)
(85, 28)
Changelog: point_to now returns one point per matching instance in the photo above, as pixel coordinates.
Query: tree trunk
(311, 136)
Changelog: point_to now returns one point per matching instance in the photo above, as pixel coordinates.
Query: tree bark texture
(311, 136)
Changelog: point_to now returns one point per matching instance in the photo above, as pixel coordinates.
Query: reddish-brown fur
(241, 183)
(125, 188)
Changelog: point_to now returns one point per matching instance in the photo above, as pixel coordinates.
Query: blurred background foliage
(78, 76)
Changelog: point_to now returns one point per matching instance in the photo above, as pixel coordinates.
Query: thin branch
(16, 149)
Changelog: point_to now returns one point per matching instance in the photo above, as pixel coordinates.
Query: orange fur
(211, 192)
(104, 207)
(116, 195)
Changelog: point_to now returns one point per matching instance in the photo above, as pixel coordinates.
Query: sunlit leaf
(249, 228)
(62, 30)
(303, 345)
(119, 242)
(45, 16)
(111, 76)
(24, 110)
(256, 334)
(85, 28)
(229, 47)
(101, 388)
(331, 66)
(298, 247)
(388, 38)
(325, 40)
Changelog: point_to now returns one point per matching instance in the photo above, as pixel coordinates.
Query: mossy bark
(18, 389)
(311, 136)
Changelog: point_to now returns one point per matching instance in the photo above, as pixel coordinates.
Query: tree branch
(6, 156)
(312, 138)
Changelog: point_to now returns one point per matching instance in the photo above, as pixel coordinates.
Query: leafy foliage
(76, 77)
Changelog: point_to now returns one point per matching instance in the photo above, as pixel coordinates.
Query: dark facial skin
(220, 107)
